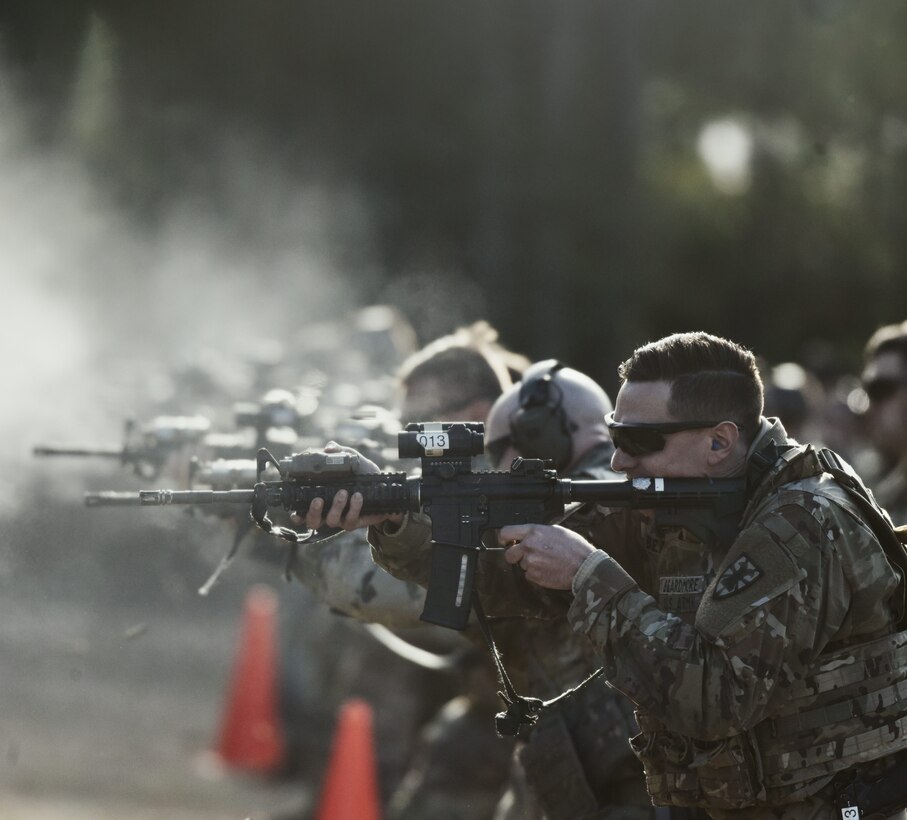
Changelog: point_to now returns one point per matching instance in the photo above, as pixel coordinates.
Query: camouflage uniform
(576, 761)
(342, 575)
(750, 703)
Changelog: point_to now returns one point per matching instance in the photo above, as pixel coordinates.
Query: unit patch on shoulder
(737, 577)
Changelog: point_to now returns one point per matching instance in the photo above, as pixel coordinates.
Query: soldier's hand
(365, 466)
(549, 555)
(317, 517)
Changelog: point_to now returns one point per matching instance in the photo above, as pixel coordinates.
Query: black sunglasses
(640, 439)
(883, 387)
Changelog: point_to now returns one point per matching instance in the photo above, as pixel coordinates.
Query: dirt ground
(114, 672)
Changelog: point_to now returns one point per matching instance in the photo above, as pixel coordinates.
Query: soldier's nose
(621, 462)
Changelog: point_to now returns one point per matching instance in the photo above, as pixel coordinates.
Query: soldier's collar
(767, 449)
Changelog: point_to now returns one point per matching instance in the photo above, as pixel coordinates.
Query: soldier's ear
(723, 438)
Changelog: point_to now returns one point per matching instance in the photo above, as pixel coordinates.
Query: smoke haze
(99, 303)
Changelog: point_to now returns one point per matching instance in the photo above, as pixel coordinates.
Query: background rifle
(278, 410)
(146, 448)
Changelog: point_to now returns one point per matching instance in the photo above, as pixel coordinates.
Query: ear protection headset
(539, 427)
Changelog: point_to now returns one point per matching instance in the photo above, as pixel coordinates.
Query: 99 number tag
(433, 441)
(850, 813)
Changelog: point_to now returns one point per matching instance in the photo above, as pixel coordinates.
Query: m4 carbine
(146, 448)
(463, 503)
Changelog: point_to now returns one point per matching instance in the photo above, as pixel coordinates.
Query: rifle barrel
(110, 498)
(155, 498)
(101, 452)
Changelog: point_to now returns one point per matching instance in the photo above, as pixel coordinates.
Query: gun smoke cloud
(100, 305)
(105, 302)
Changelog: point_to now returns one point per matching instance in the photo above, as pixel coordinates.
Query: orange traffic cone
(350, 789)
(250, 734)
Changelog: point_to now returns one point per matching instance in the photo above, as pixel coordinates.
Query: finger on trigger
(514, 554)
(513, 532)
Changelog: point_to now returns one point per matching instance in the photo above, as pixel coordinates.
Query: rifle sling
(522, 710)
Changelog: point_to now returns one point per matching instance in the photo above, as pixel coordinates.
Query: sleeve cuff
(598, 581)
(409, 535)
(587, 568)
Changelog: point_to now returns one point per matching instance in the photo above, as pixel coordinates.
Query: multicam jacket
(341, 574)
(789, 668)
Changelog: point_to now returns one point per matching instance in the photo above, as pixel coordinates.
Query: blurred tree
(604, 172)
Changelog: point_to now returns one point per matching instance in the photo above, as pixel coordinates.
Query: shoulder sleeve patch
(740, 575)
(758, 569)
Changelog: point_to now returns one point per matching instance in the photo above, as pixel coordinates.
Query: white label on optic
(433, 441)
(641, 483)
(659, 485)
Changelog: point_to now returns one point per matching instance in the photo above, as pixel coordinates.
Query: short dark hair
(711, 378)
(888, 339)
(467, 364)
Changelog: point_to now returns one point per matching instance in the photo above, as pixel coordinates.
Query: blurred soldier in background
(460, 766)
(793, 396)
(885, 383)
(554, 413)
(576, 761)
(820, 411)
(361, 352)
(327, 659)
(457, 377)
